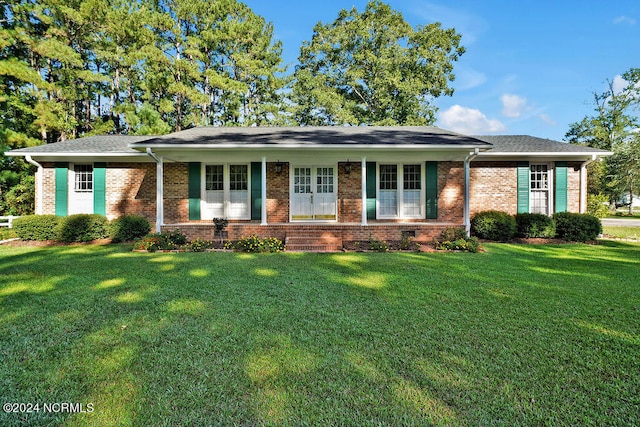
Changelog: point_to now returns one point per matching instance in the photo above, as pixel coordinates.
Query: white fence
(7, 221)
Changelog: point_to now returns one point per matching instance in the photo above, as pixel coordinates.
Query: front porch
(318, 237)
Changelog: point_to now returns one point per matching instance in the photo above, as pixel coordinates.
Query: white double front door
(313, 193)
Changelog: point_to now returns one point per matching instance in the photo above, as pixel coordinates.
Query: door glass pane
(324, 180)
(83, 178)
(214, 178)
(302, 180)
(238, 177)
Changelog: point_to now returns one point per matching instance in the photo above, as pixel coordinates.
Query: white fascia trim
(112, 154)
(312, 147)
(545, 154)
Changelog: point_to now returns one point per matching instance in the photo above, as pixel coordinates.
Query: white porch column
(159, 189)
(364, 191)
(467, 182)
(159, 194)
(264, 191)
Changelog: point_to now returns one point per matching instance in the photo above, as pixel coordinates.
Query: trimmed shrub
(176, 237)
(154, 242)
(598, 205)
(493, 225)
(36, 227)
(255, 244)
(577, 227)
(81, 228)
(535, 225)
(128, 227)
(456, 239)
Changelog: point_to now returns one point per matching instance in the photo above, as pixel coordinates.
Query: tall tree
(614, 127)
(373, 68)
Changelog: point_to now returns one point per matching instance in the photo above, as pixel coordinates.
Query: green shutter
(371, 190)
(561, 186)
(194, 190)
(256, 190)
(431, 175)
(523, 187)
(100, 188)
(62, 188)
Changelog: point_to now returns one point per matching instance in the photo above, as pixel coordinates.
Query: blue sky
(530, 67)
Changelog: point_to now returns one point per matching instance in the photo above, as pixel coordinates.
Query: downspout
(583, 182)
(38, 184)
(159, 190)
(467, 178)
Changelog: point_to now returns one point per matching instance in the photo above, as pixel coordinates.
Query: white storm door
(81, 190)
(324, 201)
(239, 202)
(301, 197)
(212, 204)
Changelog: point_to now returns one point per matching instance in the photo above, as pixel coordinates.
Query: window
(539, 189)
(214, 178)
(400, 191)
(226, 192)
(83, 181)
(388, 191)
(324, 180)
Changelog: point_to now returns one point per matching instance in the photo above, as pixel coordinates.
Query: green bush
(493, 225)
(176, 237)
(81, 228)
(598, 205)
(199, 245)
(535, 225)
(255, 244)
(128, 227)
(155, 242)
(36, 227)
(577, 227)
(456, 239)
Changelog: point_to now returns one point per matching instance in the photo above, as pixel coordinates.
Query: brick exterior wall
(493, 187)
(349, 193)
(277, 193)
(131, 189)
(573, 186)
(48, 189)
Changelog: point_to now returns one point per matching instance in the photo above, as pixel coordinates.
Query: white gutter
(467, 178)
(159, 190)
(446, 147)
(38, 184)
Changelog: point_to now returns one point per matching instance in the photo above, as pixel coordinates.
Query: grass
(621, 232)
(518, 335)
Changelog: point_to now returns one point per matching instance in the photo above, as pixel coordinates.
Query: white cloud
(624, 20)
(513, 105)
(468, 121)
(547, 119)
(619, 84)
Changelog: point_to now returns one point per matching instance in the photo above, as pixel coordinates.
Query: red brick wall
(131, 189)
(450, 192)
(277, 193)
(494, 186)
(573, 186)
(349, 193)
(48, 189)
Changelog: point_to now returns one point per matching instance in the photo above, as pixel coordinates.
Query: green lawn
(621, 232)
(518, 335)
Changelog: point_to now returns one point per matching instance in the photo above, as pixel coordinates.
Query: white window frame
(75, 173)
(226, 181)
(400, 190)
(549, 189)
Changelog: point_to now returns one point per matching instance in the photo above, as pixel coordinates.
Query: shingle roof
(316, 136)
(531, 144)
(101, 144)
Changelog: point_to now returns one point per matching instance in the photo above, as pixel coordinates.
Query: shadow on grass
(517, 335)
